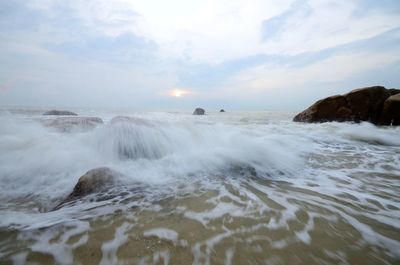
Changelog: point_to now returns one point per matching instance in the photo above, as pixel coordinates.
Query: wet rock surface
(129, 120)
(199, 111)
(373, 104)
(60, 113)
(69, 124)
(94, 181)
(131, 136)
(391, 111)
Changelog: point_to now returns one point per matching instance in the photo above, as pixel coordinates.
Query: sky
(179, 54)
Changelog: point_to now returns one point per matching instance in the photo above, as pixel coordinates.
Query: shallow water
(225, 188)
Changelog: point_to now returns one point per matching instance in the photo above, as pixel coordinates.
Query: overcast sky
(233, 54)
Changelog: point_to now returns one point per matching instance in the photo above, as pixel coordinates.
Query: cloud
(292, 17)
(77, 53)
(368, 7)
(212, 76)
(206, 31)
(126, 48)
(123, 52)
(264, 78)
(304, 78)
(329, 25)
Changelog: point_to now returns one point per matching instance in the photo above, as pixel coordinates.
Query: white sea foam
(163, 233)
(42, 163)
(260, 167)
(109, 249)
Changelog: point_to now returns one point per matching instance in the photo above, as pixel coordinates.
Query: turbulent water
(224, 188)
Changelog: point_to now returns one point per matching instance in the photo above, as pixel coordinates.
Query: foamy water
(225, 188)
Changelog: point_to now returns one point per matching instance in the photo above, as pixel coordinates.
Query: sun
(177, 93)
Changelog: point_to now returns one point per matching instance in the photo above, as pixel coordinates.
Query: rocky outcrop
(93, 181)
(72, 124)
(199, 111)
(328, 109)
(364, 104)
(222, 110)
(60, 113)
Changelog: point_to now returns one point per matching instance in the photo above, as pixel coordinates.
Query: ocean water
(224, 188)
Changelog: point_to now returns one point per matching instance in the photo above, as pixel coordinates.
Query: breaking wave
(233, 188)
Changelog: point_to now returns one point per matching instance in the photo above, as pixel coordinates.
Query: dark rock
(333, 108)
(393, 91)
(243, 171)
(199, 111)
(60, 113)
(93, 181)
(222, 110)
(69, 124)
(391, 111)
(364, 104)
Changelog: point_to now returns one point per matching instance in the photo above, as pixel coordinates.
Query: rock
(93, 181)
(222, 110)
(394, 91)
(364, 104)
(199, 111)
(243, 171)
(60, 113)
(134, 138)
(129, 120)
(69, 124)
(333, 108)
(391, 111)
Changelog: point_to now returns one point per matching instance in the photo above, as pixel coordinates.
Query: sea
(238, 187)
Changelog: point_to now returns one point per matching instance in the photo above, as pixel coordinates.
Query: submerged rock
(364, 104)
(244, 171)
(199, 111)
(222, 110)
(93, 181)
(60, 113)
(69, 124)
(134, 138)
(129, 120)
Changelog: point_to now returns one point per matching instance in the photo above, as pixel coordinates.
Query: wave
(41, 163)
(242, 176)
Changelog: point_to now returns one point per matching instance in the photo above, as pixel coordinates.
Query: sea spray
(242, 187)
